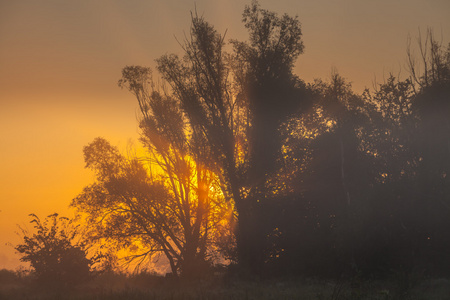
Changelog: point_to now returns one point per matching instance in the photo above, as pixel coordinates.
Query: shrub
(55, 252)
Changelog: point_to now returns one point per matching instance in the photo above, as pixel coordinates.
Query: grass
(148, 286)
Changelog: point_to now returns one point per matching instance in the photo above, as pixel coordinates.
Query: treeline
(368, 176)
(368, 179)
(248, 163)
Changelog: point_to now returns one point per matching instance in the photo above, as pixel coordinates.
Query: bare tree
(432, 65)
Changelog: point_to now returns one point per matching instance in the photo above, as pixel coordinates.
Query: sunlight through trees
(249, 164)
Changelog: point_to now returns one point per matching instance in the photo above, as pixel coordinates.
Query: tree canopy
(247, 162)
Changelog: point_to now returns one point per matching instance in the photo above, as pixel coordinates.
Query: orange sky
(60, 62)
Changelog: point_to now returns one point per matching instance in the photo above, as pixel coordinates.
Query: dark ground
(150, 286)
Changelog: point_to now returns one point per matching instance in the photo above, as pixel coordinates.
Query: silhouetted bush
(57, 257)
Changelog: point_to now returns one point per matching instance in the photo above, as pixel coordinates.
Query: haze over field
(60, 62)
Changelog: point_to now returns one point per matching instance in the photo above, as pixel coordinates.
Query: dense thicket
(371, 194)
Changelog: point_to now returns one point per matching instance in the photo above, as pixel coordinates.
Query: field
(150, 286)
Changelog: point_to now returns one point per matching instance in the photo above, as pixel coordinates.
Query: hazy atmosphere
(60, 63)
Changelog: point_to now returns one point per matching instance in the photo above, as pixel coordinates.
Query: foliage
(311, 178)
(235, 103)
(55, 252)
(170, 212)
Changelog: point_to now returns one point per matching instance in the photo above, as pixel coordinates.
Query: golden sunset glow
(60, 62)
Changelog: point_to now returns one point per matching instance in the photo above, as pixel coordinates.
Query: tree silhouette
(328, 176)
(172, 211)
(237, 106)
(432, 107)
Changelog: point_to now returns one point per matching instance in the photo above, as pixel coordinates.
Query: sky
(60, 62)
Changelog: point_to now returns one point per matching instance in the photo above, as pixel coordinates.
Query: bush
(55, 253)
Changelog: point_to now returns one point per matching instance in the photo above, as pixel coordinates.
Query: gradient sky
(60, 62)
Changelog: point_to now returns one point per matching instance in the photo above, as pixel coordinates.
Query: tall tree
(238, 106)
(431, 75)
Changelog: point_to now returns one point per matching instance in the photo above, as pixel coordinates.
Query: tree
(431, 75)
(236, 104)
(390, 138)
(55, 252)
(172, 211)
(328, 175)
(432, 66)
